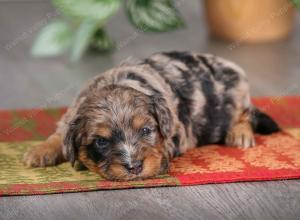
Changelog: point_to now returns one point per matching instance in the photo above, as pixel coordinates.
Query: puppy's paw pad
(40, 156)
(240, 137)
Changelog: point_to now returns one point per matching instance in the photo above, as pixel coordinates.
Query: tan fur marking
(152, 162)
(118, 172)
(91, 165)
(241, 133)
(138, 122)
(48, 153)
(104, 131)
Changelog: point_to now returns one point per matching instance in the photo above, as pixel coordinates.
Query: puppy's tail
(262, 123)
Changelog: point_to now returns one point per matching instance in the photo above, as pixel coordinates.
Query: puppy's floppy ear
(163, 115)
(73, 138)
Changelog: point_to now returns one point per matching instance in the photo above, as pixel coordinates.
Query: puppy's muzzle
(135, 167)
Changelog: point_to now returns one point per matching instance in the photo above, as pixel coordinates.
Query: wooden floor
(27, 82)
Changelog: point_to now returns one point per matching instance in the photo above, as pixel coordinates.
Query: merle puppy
(129, 122)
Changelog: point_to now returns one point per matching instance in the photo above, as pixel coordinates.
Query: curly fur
(130, 121)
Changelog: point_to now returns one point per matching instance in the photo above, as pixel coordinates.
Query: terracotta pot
(250, 21)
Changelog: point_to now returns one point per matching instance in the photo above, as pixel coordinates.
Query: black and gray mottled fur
(196, 99)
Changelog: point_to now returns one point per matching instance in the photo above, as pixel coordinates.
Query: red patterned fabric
(275, 157)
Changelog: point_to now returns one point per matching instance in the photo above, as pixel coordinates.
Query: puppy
(129, 122)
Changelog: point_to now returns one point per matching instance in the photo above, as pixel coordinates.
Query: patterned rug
(275, 157)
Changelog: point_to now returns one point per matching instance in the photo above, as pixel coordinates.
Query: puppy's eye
(101, 142)
(146, 131)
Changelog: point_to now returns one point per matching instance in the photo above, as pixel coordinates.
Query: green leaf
(54, 39)
(153, 15)
(101, 41)
(82, 38)
(88, 9)
(297, 3)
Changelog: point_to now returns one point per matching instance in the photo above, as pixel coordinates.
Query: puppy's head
(119, 134)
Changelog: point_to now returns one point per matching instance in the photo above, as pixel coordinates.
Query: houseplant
(250, 21)
(82, 25)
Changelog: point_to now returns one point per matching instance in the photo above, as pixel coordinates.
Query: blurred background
(48, 49)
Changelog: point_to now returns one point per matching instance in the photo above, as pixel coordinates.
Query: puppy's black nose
(135, 167)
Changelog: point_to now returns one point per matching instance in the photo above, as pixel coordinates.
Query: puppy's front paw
(241, 135)
(41, 156)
